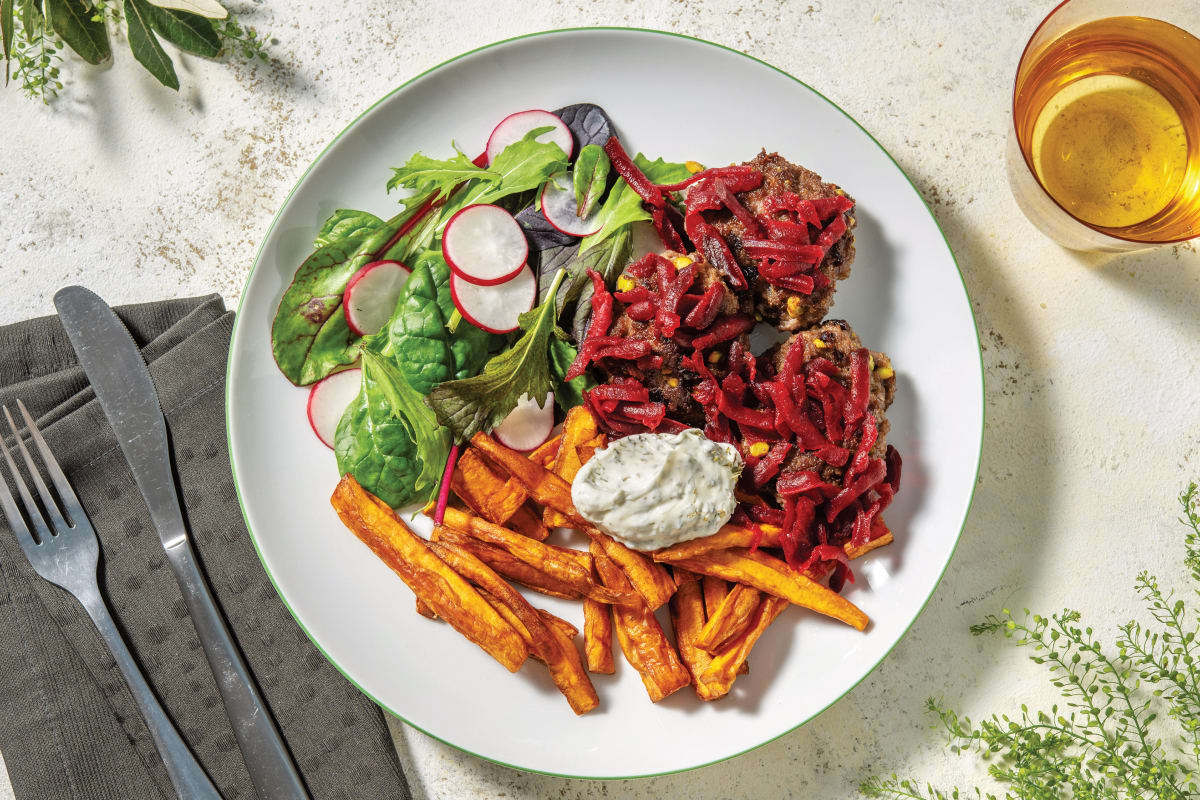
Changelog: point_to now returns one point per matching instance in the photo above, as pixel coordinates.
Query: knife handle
(271, 768)
(186, 774)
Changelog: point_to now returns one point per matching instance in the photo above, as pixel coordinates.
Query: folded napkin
(69, 728)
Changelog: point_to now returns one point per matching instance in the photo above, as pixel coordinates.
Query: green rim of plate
(237, 325)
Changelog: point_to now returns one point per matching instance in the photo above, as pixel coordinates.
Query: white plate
(678, 98)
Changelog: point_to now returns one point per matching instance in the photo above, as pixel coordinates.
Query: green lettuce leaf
(482, 402)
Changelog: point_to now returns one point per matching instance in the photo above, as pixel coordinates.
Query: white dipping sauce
(653, 490)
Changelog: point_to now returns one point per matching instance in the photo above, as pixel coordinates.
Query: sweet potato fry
(543, 485)
(730, 620)
(648, 578)
(424, 610)
(528, 523)
(718, 677)
(571, 567)
(715, 590)
(771, 575)
(558, 623)
(517, 570)
(570, 676)
(491, 496)
(589, 448)
(544, 453)
(687, 618)
(447, 593)
(862, 550)
(597, 637)
(729, 536)
(580, 427)
(642, 640)
(546, 641)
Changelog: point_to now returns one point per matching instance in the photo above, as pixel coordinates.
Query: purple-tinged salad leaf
(588, 122)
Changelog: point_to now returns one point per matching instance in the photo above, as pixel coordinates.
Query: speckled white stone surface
(1092, 362)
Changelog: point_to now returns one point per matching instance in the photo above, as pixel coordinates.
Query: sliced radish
(327, 401)
(527, 425)
(484, 245)
(371, 295)
(645, 240)
(494, 308)
(561, 211)
(514, 127)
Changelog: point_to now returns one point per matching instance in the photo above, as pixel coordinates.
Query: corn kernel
(793, 306)
(624, 283)
(714, 357)
(885, 372)
(759, 449)
(871, 363)
(673, 382)
(817, 343)
(681, 261)
(693, 166)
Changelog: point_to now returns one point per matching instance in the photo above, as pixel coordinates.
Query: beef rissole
(808, 415)
(785, 309)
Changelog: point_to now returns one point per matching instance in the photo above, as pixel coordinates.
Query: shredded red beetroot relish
(806, 405)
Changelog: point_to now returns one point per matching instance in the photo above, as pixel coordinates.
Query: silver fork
(67, 553)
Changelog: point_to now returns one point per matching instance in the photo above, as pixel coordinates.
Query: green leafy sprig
(1103, 741)
(35, 32)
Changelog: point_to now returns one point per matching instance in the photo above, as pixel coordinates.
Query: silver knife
(118, 374)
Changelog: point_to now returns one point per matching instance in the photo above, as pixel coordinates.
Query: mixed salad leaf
(429, 376)
(482, 402)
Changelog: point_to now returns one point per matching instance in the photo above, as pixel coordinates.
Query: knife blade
(123, 386)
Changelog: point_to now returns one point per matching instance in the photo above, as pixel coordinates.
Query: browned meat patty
(837, 341)
(673, 383)
(780, 175)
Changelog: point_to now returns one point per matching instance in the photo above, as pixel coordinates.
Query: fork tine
(71, 504)
(56, 518)
(35, 516)
(9, 505)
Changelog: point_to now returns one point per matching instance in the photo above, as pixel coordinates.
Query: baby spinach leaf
(416, 337)
(309, 336)
(343, 223)
(72, 20)
(189, 32)
(431, 439)
(388, 439)
(430, 176)
(145, 46)
(374, 446)
(588, 123)
(590, 178)
(482, 402)
(568, 394)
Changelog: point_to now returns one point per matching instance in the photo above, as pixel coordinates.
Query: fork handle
(271, 768)
(187, 776)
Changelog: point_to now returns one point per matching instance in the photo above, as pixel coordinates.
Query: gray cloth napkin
(69, 728)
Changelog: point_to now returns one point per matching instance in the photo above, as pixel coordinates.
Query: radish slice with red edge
(484, 245)
(514, 127)
(528, 425)
(371, 295)
(562, 212)
(328, 399)
(496, 308)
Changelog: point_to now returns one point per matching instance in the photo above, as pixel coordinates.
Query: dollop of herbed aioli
(653, 490)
